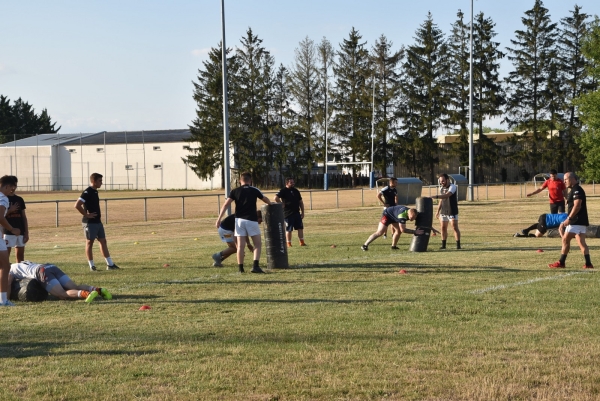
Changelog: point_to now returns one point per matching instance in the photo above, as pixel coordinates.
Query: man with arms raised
(246, 219)
(447, 210)
(557, 191)
(575, 226)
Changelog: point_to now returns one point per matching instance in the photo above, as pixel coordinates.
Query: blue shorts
(293, 222)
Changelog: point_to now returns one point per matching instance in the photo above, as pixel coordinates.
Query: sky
(117, 65)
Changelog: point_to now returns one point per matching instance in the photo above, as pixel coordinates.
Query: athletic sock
(563, 259)
(588, 261)
(83, 294)
(241, 267)
(109, 261)
(3, 297)
(458, 244)
(91, 263)
(255, 263)
(443, 243)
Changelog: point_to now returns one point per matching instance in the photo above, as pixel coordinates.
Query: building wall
(32, 165)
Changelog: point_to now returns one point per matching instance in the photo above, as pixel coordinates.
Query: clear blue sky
(129, 64)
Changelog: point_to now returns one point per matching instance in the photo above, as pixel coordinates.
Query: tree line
(19, 120)
(283, 117)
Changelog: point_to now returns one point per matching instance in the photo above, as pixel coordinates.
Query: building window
(128, 167)
(72, 150)
(156, 148)
(99, 150)
(158, 166)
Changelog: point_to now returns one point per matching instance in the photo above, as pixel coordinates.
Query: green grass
(488, 322)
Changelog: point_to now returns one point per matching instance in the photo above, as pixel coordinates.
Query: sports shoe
(303, 244)
(557, 265)
(105, 294)
(518, 235)
(256, 269)
(588, 266)
(289, 244)
(395, 247)
(7, 303)
(384, 236)
(442, 247)
(92, 268)
(217, 258)
(112, 267)
(364, 247)
(92, 296)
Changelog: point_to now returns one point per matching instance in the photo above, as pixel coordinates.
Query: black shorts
(541, 227)
(293, 222)
(557, 207)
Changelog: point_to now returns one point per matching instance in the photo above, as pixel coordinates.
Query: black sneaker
(256, 269)
(241, 269)
(442, 247)
(395, 247)
(92, 268)
(112, 267)
(365, 247)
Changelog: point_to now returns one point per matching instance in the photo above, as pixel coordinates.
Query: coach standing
(246, 219)
(575, 226)
(88, 205)
(557, 191)
(293, 210)
(448, 209)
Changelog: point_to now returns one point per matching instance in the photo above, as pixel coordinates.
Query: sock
(221, 256)
(443, 243)
(109, 261)
(91, 263)
(458, 244)
(241, 267)
(530, 228)
(563, 259)
(3, 297)
(289, 243)
(255, 263)
(588, 261)
(83, 294)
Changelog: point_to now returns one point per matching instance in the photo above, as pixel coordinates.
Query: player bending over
(396, 216)
(55, 281)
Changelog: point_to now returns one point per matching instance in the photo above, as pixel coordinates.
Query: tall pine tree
(325, 55)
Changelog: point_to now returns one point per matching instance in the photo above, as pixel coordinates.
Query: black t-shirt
(16, 218)
(449, 205)
(91, 204)
(581, 218)
(291, 200)
(389, 194)
(245, 202)
(228, 223)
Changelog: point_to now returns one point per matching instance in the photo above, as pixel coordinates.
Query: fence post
(56, 213)
(504, 196)
(362, 196)
(218, 204)
(105, 211)
(337, 198)
(183, 207)
(486, 192)
(525, 188)
(145, 209)
(310, 195)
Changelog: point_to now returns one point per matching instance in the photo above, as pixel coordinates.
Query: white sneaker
(7, 303)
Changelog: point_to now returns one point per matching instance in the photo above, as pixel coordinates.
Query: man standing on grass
(17, 218)
(293, 210)
(246, 219)
(575, 226)
(557, 191)
(447, 210)
(388, 196)
(88, 205)
(7, 186)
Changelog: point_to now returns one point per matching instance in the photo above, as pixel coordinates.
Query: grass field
(489, 322)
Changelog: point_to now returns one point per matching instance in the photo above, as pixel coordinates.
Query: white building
(127, 160)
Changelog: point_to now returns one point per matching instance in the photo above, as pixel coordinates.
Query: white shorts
(245, 227)
(574, 229)
(226, 235)
(14, 241)
(445, 217)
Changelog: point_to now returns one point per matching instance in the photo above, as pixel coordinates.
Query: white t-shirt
(25, 269)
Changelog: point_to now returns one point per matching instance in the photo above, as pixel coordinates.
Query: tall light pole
(226, 170)
(372, 175)
(470, 172)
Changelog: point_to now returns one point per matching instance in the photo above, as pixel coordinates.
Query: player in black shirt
(388, 196)
(293, 210)
(88, 205)
(575, 226)
(246, 219)
(17, 218)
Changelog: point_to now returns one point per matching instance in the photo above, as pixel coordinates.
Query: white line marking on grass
(531, 281)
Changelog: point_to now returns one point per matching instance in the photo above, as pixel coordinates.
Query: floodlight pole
(372, 175)
(226, 169)
(470, 171)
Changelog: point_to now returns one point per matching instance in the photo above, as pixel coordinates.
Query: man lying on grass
(545, 222)
(55, 281)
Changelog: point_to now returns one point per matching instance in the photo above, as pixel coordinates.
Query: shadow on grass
(33, 349)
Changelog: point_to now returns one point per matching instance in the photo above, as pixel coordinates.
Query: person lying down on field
(545, 222)
(55, 281)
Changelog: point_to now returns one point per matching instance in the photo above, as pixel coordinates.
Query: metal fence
(155, 208)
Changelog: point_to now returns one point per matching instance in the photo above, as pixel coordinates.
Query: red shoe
(556, 265)
(588, 266)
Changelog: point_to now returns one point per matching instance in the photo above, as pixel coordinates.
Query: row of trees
(19, 120)
(279, 116)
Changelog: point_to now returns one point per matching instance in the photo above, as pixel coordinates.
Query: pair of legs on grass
(578, 232)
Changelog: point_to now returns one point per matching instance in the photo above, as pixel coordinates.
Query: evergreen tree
(282, 129)
(532, 90)
(576, 81)
(387, 97)
(19, 120)
(304, 87)
(325, 55)
(425, 88)
(352, 100)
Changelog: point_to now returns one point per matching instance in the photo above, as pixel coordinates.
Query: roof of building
(100, 138)
(496, 136)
